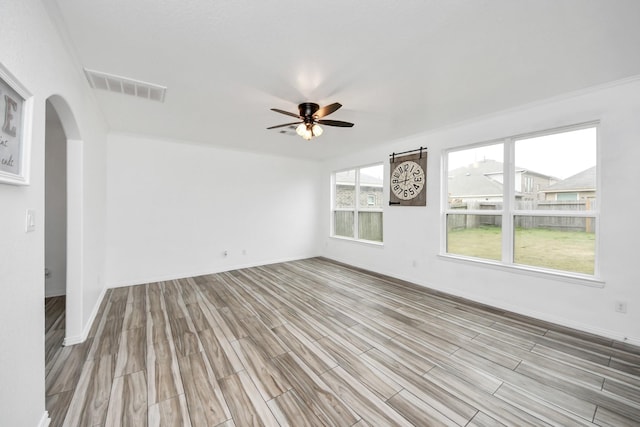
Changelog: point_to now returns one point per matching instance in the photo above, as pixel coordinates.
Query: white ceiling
(398, 67)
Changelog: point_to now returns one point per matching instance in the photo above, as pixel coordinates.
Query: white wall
(412, 233)
(55, 227)
(30, 48)
(174, 208)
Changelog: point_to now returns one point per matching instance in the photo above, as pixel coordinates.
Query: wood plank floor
(316, 343)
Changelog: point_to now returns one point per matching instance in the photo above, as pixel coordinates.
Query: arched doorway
(61, 124)
(55, 240)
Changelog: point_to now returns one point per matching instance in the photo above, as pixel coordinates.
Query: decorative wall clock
(408, 179)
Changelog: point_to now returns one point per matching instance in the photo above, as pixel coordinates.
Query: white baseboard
(182, 275)
(87, 327)
(45, 420)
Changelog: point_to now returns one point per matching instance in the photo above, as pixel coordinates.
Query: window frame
(509, 212)
(356, 205)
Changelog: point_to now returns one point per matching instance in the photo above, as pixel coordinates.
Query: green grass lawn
(558, 250)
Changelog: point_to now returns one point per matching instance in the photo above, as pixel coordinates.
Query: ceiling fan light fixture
(307, 132)
(311, 115)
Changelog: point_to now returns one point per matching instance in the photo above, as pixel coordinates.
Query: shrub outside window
(357, 205)
(538, 211)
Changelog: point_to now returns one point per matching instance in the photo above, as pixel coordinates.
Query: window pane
(346, 189)
(371, 187)
(476, 177)
(475, 235)
(559, 243)
(370, 226)
(556, 171)
(343, 223)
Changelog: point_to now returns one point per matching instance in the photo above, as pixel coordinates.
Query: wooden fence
(369, 225)
(561, 223)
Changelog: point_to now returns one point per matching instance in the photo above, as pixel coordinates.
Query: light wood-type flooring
(316, 343)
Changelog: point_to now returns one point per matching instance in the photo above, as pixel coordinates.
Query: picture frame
(16, 115)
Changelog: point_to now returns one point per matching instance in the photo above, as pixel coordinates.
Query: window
(567, 196)
(357, 205)
(538, 211)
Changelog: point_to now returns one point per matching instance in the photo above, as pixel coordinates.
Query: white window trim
(508, 212)
(355, 208)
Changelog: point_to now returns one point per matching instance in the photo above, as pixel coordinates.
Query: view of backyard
(559, 250)
(551, 203)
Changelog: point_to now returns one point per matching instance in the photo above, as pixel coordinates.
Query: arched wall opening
(73, 239)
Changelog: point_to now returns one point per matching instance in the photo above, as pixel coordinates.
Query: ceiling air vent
(125, 85)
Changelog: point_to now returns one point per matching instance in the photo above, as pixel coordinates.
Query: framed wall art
(16, 109)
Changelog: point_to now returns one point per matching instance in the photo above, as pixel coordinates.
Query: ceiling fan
(311, 118)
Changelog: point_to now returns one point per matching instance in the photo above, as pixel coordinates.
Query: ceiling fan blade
(286, 112)
(286, 124)
(326, 110)
(338, 123)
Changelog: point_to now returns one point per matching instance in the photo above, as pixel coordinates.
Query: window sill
(576, 278)
(364, 242)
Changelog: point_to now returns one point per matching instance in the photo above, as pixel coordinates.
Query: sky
(560, 155)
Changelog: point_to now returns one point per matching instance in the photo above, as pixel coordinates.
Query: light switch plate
(31, 220)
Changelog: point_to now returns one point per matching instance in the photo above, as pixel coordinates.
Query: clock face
(407, 180)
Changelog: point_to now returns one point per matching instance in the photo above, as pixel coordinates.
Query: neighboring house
(370, 190)
(482, 181)
(581, 186)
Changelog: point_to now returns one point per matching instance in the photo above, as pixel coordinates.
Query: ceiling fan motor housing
(307, 110)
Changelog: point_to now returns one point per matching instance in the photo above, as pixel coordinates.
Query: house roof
(398, 68)
(582, 181)
(481, 178)
(475, 179)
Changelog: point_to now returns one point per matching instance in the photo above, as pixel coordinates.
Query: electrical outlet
(621, 307)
